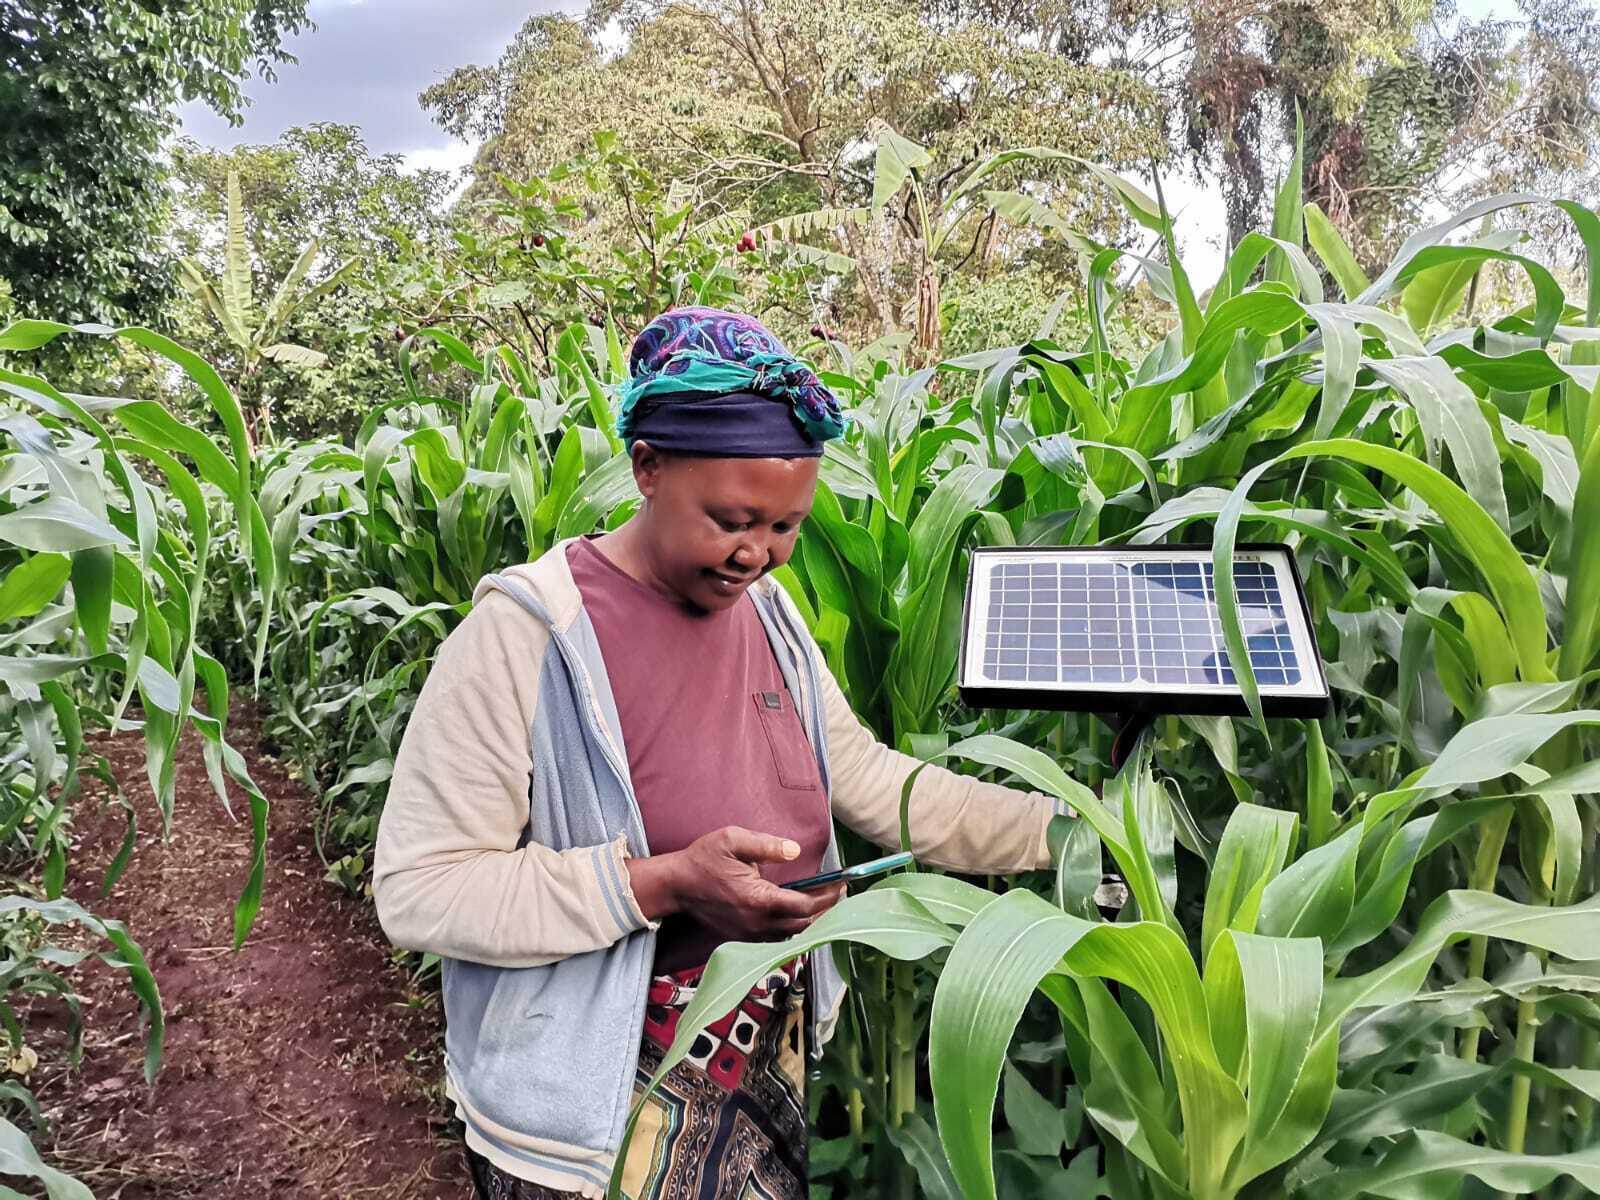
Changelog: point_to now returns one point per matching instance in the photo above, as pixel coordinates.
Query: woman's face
(712, 526)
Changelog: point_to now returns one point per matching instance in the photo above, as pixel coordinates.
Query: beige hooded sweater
(452, 876)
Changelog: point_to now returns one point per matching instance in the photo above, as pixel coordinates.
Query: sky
(365, 64)
(367, 61)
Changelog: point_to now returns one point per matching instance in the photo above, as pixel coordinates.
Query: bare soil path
(302, 1066)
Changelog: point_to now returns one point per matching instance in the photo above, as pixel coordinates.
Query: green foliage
(87, 92)
(702, 95)
(321, 185)
(378, 546)
(1404, 105)
(936, 208)
(1001, 310)
(109, 514)
(33, 968)
(699, 83)
(253, 328)
(318, 181)
(1425, 493)
(596, 239)
(105, 571)
(1308, 927)
(1254, 963)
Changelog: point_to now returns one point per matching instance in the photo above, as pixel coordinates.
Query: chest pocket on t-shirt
(791, 749)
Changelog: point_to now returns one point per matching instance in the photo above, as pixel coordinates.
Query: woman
(617, 757)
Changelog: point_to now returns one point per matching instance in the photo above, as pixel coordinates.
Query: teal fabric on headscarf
(704, 381)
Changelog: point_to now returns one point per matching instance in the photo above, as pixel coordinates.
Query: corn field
(1357, 956)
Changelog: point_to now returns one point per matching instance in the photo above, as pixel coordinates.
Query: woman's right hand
(716, 879)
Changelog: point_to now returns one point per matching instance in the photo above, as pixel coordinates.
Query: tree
(594, 239)
(766, 104)
(767, 107)
(318, 183)
(928, 222)
(1403, 103)
(87, 94)
(1548, 138)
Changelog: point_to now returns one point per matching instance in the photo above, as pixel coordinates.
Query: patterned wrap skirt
(728, 1122)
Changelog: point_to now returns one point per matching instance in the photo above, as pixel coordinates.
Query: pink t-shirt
(712, 735)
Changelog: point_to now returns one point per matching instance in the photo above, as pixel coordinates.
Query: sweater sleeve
(957, 822)
(448, 874)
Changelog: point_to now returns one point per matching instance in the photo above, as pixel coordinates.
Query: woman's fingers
(752, 847)
(781, 903)
(831, 895)
(722, 887)
(789, 912)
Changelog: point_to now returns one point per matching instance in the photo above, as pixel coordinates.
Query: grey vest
(549, 1052)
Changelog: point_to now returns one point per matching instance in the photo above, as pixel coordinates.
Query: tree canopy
(766, 103)
(1402, 102)
(316, 181)
(315, 187)
(87, 94)
(769, 108)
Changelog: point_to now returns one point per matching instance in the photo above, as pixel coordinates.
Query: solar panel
(1134, 630)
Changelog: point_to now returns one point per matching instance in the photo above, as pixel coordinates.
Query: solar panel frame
(1133, 692)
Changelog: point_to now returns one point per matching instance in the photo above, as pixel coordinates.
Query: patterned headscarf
(704, 381)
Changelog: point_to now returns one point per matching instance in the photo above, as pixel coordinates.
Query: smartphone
(864, 870)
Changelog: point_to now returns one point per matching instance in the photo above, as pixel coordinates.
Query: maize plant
(1355, 955)
(1355, 958)
(106, 541)
(379, 546)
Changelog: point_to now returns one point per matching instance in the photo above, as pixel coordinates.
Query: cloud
(365, 64)
(439, 158)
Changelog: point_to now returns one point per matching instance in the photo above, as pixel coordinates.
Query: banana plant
(929, 219)
(253, 328)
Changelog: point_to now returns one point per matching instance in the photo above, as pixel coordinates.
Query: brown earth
(304, 1065)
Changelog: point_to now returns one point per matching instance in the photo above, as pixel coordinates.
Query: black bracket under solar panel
(1127, 737)
(1135, 631)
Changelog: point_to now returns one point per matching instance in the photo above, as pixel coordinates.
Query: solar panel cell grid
(1074, 622)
